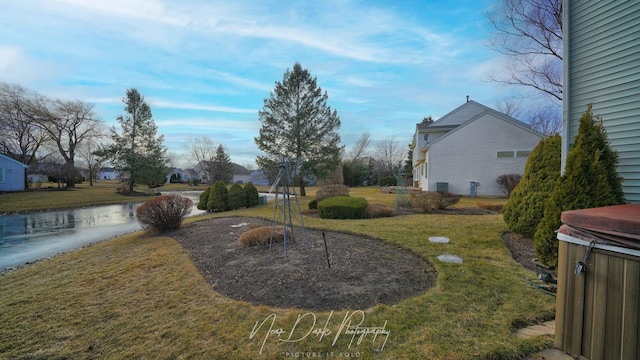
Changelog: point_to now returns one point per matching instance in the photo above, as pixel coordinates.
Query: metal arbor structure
(402, 199)
(285, 211)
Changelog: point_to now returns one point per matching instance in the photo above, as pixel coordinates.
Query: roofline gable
(25, 166)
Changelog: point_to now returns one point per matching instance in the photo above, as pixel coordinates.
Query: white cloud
(191, 106)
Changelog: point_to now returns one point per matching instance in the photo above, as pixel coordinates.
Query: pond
(28, 237)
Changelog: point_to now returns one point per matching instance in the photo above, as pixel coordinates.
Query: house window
(523, 154)
(1, 175)
(505, 154)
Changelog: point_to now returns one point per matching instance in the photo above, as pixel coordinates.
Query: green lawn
(140, 296)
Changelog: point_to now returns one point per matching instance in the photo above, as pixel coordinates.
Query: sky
(206, 66)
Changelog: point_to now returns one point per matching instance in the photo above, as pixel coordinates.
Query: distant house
(12, 174)
(108, 174)
(465, 151)
(602, 67)
(240, 174)
(259, 178)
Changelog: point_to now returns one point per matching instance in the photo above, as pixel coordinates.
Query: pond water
(28, 237)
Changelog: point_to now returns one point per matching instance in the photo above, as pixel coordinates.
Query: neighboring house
(189, 175)
(108, 174)
(240, 174)
(602, 67)
(12, 174)
(465, 151)
(259, 178)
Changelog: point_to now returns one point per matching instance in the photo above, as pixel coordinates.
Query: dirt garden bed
(363, 271)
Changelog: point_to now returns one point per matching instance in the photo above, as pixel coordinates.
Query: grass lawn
(140, 296)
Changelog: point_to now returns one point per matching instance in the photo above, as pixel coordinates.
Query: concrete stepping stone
(438, 239)
(447, 258)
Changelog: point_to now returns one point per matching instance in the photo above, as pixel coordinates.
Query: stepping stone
(450, 259)
(439, 239)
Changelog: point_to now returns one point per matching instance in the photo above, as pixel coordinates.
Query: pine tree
(298, 123)
(221, 167)
(590, 180)
(137, 152)
(525, 207)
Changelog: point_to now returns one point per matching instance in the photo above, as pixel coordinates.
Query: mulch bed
(361, 271)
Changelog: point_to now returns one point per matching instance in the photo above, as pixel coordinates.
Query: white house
(12, 174)
(108, 174)
(465, 151)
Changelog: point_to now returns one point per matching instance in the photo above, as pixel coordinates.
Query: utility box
(598, 298)
(473, 188)
(442, 187)
(262, 200)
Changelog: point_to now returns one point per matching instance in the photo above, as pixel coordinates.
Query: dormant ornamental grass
(141, 297)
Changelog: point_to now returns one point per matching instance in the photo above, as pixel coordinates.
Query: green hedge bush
(218, 197)
(590, 180)
(387, 181)
(343, 207)
(204, 199)
(252, 194)
(525, 208)
(237, 197)
(313, 204)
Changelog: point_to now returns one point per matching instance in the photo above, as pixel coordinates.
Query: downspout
(566, 91)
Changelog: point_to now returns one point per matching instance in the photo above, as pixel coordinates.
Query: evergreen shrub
(204, 199)
(253, 198)
(163, 213)
(387, 181)
(313, 204)
(237, 197)
(218, 197)
(525, 207)
(343, 207)
(590, 180)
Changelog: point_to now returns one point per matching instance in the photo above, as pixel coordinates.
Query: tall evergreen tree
(221, 167)
(525, 207)
(590, 180)
(298, 123)
(137, 151)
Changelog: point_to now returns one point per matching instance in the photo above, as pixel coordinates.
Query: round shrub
(218, 197)
(163, 213)
(313, 204)
(264, 235)
(378, 211)
(343, 207)
(204, 198)
(252, 194)
(237, 197)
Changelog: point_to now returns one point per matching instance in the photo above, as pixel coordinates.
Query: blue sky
(205, 66)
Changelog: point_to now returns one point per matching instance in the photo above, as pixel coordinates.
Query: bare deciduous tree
(529, 33)
(360, 148)
(203, 150)
(389, 156)
(21, 137)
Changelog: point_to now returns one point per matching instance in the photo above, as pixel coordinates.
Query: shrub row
(218, 198)
(433, 200)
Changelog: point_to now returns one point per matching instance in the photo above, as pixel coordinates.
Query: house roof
(464, 115)
(10, 159)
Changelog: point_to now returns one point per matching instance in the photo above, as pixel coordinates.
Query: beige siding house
(466, 150)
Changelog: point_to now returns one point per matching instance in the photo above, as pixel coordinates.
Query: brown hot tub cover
(617, 225)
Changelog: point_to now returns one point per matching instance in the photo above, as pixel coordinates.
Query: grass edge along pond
(140, 296)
